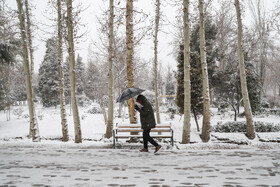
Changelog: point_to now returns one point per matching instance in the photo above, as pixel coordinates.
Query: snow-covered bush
(94, 109)
(240, 126)
(83, 116)
(18, 112)
(266, 127)
(171, 111)
(84, 101)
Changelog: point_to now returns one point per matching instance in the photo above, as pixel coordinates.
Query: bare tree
(260, 25)
(29, 37)
(156, 58)
(32, 115)
(205, 134)
(110, 74)
(30, 47)
(129, 56)
(248, 112)
(65, 136)
(71, 52)
(187, 82)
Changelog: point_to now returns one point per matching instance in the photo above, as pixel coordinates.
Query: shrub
(240, 126)
(18, 112)
(94, 109)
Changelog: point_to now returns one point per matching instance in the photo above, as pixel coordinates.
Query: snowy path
(49, 165)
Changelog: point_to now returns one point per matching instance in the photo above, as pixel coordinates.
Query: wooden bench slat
(140, 136)
(140, 130)
(123, 126)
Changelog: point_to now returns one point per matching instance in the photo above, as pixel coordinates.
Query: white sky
(88, 18)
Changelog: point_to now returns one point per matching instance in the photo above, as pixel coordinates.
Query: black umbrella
(129, 93)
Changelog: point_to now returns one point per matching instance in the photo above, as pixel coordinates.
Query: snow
(228, 159)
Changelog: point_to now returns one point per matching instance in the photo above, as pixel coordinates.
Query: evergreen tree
(80, 75)
(211, 31)
(180, 81)
(19, 88)
(49, 75)
(253, 86)
(227, 88)
(169, 87)
(80, 78)
(9, 48)
(66, 81)
(196, 75)
(91, 79)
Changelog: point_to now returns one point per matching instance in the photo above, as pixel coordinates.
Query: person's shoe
(157, 148)
(144, 150)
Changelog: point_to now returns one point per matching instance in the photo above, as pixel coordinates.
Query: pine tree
(180, 81)
(49, 75)
(169, 87)
(80, 75)
(67, 87)
(91, 79)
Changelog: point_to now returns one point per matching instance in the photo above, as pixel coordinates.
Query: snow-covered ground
(239, 162)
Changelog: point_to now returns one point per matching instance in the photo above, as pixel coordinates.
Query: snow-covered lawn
(228, 159)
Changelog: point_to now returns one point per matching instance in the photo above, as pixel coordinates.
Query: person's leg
(150, 139)
(145, 138)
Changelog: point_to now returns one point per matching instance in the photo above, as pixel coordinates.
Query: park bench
(127, 131)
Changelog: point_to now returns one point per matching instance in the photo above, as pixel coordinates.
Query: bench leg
(114, 140)
(172, 140)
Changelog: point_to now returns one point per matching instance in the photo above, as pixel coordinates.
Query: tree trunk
(65, 136)
(30, 48)
(248, 113)
(187, 82)
(104, 113)
(71, 51)
(32, 116)
(156, 58)
(205, 135)
(29, 36)
(235, 113)
(196, 121)
(109, 128)
(129, 57)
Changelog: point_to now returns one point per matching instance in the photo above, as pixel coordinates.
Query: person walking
(148, 122)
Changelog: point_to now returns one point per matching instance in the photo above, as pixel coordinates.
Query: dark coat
(147, 117)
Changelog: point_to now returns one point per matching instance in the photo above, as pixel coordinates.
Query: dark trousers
(147, 138)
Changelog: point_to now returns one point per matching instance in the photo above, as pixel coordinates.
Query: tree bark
(30, 48)
(156, 58)
(129, 57)
(187, 82)
(32, 116)
(205, 134)
(71, 51)
(64, 125)
(29, 36)
(248, 112)
(110, 73)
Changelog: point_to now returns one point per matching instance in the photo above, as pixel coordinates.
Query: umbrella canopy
(129, 93)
